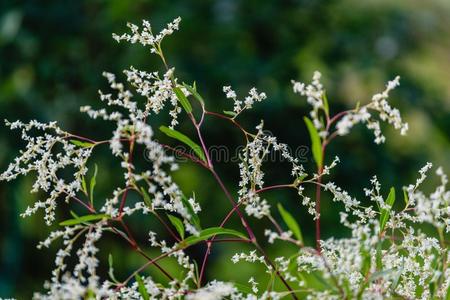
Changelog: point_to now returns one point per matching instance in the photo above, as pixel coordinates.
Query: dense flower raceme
(387, 255)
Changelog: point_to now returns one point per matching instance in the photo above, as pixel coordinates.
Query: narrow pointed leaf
(84, 185)
(141, 287)
(82, 144)
(325, 103)
(405, 197)
(193, 91)
(111, 269)
(378, 257)
(210, 232)
(184, 139)
(291, 223)
(92, 185)
(229, 113)
(316, 145)
(178, 224)
(146, 197)
(84, 219)
(183, 100)
(384, 216)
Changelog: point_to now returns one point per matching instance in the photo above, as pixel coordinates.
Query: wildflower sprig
(386, 254)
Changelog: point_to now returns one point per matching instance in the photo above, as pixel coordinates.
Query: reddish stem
(273, 187)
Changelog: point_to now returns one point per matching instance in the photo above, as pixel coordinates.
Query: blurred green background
(52, 54)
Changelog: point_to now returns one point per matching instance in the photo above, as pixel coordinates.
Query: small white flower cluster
(45, 155)
(404, 267)
(272, 236)
(251, 257)
(385, 256)
(433, 209)
(157, 90)
(251, 174)
(315, 96)
(215, 290)
(145, 35)
(386, 113)
(240, 106)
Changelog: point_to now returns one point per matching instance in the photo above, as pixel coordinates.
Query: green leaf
(84, 219)
(366, 261)
(378, 257)
(83, 185)
(229, 113)
(90, 295)
(141, 287)
(325, 104)
(92, 184)
(194, 217)
(82, 144)
(405, 197)
(178, 224)
(183, 100)
(184, 139)
(73, 214)
(146, 197)
(193, 91)
(210, 232)
(111, 269)
(384, 216)
(290, 222)
(316, 144)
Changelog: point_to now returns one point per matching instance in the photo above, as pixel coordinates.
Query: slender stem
(336, 117)
(246, 133)
(135, 247)
(267, 259)
(80, 137)
(230, 198)
(130, 161)
(318, 190)
(87, 206)
(161, 220)
(278, 186)
(186, 155)
(205, 149)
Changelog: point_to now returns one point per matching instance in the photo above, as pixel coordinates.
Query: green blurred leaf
(183, 100)
(83, 219)
(384, 216)
(316, 144)
(378, 257)
(142, 288)
(111, 269)
(184, 139)
(84, 185)
(210, 232)
(193, 91)
(229, 113)
(405, 197)
(325, 104)
(178, 224)
(82, 144)
(290, 222)
(90, 295)
(92, 185)
(146, 197)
